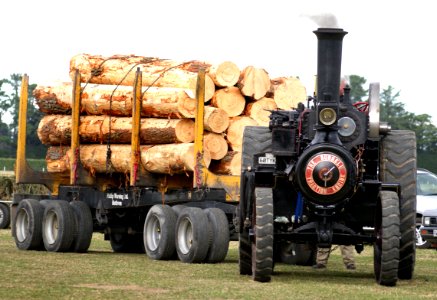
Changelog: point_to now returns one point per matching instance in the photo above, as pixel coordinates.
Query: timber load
(234, 98)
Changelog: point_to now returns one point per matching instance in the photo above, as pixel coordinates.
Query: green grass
(8, 163)
(101, 274)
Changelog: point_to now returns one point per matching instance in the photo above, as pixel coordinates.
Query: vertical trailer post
(136, 124)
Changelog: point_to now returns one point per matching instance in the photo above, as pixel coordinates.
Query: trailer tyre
(296, 254)
(220, 235)
(159, 232)
(123, 242)
(192, 235)
(84, 227)
(5, 216)
(386, 246)
(58, 226)
(27, 225)
(398, 164)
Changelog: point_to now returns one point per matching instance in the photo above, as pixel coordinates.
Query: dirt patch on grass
(132, 287)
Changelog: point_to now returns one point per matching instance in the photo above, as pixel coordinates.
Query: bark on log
(215, 119)
(260, 110)
(254, 82)
(236, 129)
(157, 72)
(288, 92)
(56, 130)
(225, 74)
(165, 159)
(215, 144)
(230, 100)
(96, 100)
(228, 165)
(172, 158)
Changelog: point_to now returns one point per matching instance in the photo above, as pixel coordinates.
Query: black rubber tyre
(398, 165)
(386, 246)
(262, 245)
(27, 225)
(296, 254)
(84, 227)
(159, 232)
(178, 208)
(256, 139)
(58, 226)
(192, 235)
(5, 216)
(220, 235)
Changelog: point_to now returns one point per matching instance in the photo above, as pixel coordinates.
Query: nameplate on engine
(269, 159)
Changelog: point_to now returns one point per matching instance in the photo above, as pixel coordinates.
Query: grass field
(101, 274)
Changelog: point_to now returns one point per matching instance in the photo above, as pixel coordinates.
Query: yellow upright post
(136, 124)
(75, 119)
(20, 165)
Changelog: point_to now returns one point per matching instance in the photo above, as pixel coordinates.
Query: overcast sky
(392, 42)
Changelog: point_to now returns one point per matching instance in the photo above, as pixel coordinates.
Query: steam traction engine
(330, 173)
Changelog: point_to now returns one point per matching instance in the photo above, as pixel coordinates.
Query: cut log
(165, 159)
(172, 158)
(260, 110)
(228, 165)
(230, 100)
(96, 100)
(120, 70)
(288, 92)
(225, 74)
(236, 129)
(215, 119)
(254, 82)
(215, 144)
(56, 130)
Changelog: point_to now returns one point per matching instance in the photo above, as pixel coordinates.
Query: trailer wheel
(5, 216)
(58, 226)
(386, 246)
(26, 228)
(178, 208)
(398, 164)
(192, 235)
(220, 235)
(159, 232)
(84, 227)
(262, 245)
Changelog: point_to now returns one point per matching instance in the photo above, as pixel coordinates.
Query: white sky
(392, 42)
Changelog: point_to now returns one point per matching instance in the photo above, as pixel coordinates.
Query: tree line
(392, 110)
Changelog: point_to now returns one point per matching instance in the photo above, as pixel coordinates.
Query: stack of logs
(234, 99)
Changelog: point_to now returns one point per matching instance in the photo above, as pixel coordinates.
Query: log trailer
(328, 173)
(189, 215)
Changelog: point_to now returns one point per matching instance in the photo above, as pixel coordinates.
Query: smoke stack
(330, 42)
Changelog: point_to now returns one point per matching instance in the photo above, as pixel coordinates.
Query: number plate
(267, 160)
(435, 232)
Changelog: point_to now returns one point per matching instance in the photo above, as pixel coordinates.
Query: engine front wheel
(262, 244)
(386, 246)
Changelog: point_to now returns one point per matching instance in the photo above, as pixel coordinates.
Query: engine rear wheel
(398, 165)
(262, 244)
(386, 246)
(256, 139)
(27, 225)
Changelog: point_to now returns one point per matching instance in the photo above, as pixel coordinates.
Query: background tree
(9, 106)
(358, 92)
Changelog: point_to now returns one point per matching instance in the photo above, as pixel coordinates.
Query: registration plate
(269, 159)
(435, 232)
